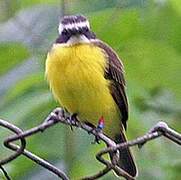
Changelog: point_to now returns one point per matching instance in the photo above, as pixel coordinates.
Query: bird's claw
(97, 138)
(73, 120)
(56, 115)
(61, 114)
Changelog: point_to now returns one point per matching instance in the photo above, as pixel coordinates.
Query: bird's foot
(60, 114)
(98, 129)
(56, 115)
(73, 120)
(96, 139)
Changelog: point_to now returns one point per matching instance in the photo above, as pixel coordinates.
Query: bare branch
(42, 162)
(160, 129)
(99, 174)
(18, 131)
(5, 173)
(59, 116)
(21, 149)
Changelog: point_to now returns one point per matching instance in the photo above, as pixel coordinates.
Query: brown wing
(115, 73)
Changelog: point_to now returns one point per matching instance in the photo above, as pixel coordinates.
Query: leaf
(116, 31)
(28, 3)
(34, 82)
(11, 55)
(17, 73)
(152, 64)
(32, 26)
(176, 5)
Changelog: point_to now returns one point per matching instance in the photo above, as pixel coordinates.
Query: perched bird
(86, 76)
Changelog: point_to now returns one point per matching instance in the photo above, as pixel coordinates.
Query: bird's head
(74, 30)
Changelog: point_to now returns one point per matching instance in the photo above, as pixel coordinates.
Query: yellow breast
(76, 77)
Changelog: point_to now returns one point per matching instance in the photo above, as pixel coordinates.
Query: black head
(74, 28)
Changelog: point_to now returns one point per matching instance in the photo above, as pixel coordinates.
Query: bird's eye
(65, 32)
(80, 30)
(86, 29)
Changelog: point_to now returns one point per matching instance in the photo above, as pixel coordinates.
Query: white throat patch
(77, 39)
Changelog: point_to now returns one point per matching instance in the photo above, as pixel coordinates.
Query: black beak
(76, 31)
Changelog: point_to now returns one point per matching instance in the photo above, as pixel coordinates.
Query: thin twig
(21, 149)
(58, 116)
(98, 175)
(160, 129)
(42, 162)
(18, 131)
(5, 173)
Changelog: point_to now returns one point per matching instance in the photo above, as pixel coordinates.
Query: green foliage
(147, 38)
(26, 3)
(148, 54)
(11, 55)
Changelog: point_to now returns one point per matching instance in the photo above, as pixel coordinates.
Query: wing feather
(115, 73)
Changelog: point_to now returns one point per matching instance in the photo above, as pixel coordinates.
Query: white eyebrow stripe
(73, 25)
(77, 25)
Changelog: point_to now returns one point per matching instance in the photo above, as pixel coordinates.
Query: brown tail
(126, 161)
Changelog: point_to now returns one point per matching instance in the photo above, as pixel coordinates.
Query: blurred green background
(147, 36)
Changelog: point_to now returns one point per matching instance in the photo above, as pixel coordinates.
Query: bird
(86, 77)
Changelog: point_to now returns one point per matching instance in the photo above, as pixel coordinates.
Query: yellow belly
(76, 77)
